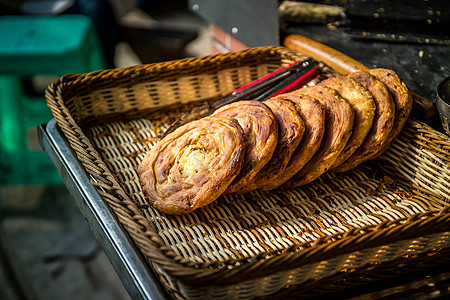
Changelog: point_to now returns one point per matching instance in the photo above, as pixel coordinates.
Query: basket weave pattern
(243, 226)
(257, 243)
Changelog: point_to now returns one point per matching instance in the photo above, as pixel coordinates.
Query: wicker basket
(392, 213)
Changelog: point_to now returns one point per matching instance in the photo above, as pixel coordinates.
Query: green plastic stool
(32, 46)
(56, 45)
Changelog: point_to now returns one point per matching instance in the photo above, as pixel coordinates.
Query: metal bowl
(443, 103)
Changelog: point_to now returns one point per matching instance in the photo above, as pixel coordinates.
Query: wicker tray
(386, 214)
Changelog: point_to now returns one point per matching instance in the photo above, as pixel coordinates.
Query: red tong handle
(265, 77)
(299, 82)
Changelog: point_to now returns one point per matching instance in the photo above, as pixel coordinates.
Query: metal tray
(138, 279)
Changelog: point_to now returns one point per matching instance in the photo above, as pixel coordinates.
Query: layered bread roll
(290, 132)
(261, 131)
(313, 115)
(193, 165)
(363, 106)
(338, 129)
(402, 99)
(289, 141)
(382, 123)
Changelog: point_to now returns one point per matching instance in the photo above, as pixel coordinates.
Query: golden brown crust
(290, 132)
(382, 123)
(363, 106)
(402, 99)
(313, 116)
(261, 132)
(193, 165)
(338, 128)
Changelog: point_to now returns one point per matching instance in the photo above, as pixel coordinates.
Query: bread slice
(192, 166)
(338, 129)
(382, 123)
(363, 106)
(313, 115)
(402, 99)
(261, 131)
(290, 132)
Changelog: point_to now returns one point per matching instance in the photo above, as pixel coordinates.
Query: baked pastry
(363, 106)
(290, 132)
(402, 99)
(382, 123)
(313, 115)
(192, 166)
(338, 128)
(261, 132)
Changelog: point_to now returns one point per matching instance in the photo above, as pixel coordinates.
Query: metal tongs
(278, 82)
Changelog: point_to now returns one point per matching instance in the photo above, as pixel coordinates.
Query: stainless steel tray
(138, 279)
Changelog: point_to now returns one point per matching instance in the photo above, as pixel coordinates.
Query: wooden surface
(344, 64)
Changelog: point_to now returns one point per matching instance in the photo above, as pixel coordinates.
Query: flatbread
(382, 123)
(192, 166)
(338, 129)
(363, 106)
(313, 115)
(402, 99)
(261, 131)
(290, 132)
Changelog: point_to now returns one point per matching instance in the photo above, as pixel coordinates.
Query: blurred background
(47, 250)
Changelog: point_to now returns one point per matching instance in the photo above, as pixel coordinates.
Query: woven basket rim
(232, 271)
